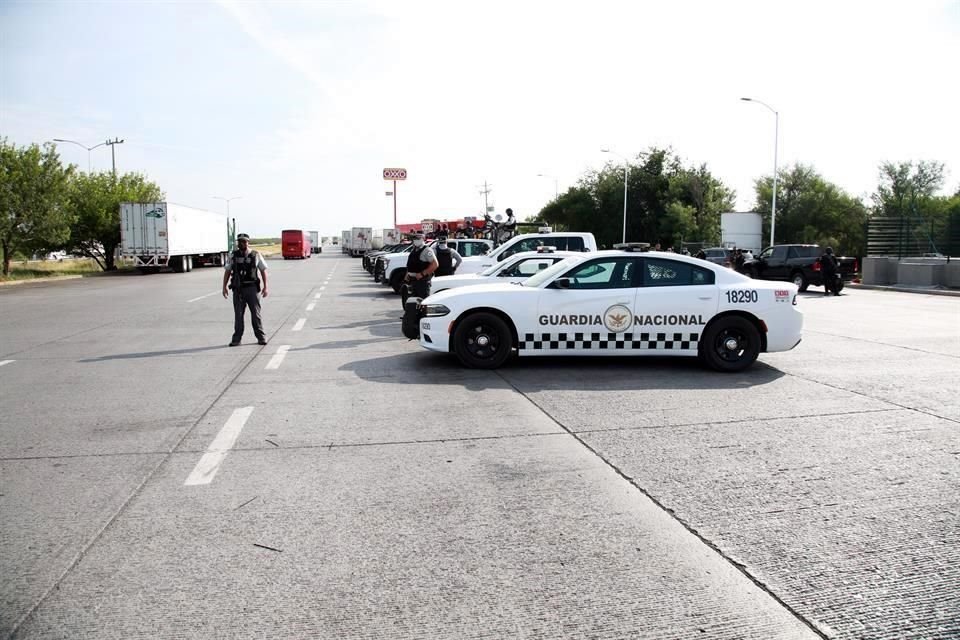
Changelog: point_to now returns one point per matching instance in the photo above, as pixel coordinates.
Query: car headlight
(434, 310)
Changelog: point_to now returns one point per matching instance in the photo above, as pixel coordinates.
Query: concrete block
(951, 274)
(918, 274)
(876, 270)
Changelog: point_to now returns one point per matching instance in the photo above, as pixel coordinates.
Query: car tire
(730, 344)
(396, 279)
(800, 280)
(482, 341)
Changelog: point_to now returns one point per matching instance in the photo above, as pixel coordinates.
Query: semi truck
(163, 234)
(360, 238)
(345, 241)
(315, 246)
(295, 244)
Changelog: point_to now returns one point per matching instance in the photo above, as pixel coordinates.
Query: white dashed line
(278, 357)
(317, 296)
(206, 296)
(322, 288)
(3, 362)
(311, 306)
(217, 451)
(299, 324)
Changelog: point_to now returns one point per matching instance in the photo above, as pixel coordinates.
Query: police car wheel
(482, 341)
(730, 344)
(396, 280)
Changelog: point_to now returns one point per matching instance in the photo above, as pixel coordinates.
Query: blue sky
(296, 107)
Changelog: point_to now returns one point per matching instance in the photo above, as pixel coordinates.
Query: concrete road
(342, 483)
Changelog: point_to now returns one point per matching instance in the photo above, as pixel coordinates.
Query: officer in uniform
(448, 258)
(828, 270)
(244, 271)
(421, 265)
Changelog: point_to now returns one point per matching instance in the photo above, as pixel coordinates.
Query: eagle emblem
(617, 319)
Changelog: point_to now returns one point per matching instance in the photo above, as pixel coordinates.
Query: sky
(294, 109)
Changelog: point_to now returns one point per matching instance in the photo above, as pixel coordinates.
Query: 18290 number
(742, 297)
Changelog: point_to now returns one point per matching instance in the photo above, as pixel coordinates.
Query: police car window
(612, 273)
(468, 249)
(550, 273)
(525, 268)
(673, 273)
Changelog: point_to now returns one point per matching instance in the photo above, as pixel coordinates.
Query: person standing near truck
(244, 271)
(447, 258)
(421, 264)
(828, 269)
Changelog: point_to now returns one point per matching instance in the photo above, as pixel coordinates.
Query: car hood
(467, 276)
(492, 291)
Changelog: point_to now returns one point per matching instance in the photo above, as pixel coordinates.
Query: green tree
(812, 210)
(95, 201)
(666, 202)
(33, 188)
(907, 191)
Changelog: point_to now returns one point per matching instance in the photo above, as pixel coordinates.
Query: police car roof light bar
(632, 246)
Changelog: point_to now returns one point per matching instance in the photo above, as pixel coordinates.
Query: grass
(33, 269)
(267, 250)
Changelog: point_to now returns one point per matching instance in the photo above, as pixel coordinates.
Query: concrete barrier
(911, 272)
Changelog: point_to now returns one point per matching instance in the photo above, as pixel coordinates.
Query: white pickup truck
(559, 240)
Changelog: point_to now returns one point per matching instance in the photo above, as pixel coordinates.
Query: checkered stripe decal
(617, 341)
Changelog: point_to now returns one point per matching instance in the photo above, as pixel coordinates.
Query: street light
(89, 149)
(227, 200)
(776, 136)
(556, 187)
(626, 169)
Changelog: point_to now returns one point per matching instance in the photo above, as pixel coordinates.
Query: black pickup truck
(796, 263)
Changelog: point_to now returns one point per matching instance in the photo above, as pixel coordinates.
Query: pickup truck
(796, 263)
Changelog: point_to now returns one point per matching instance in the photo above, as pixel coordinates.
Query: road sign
(394, 174)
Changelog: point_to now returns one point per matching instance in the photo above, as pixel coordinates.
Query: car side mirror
(562, 283)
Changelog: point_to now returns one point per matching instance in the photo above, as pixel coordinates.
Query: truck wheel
(189, 260)
(730, 344)
(800, 280)
(177, 264)
(839, 285)
(482, 341)
(396, 279)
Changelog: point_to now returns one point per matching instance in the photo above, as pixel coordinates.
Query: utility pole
(486, 191)
(113, 155)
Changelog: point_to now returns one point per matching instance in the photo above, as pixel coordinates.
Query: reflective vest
(414, 263)
(245, 272)
(445, 258)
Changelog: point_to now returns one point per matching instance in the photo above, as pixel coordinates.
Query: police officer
(244, 271)
(448, 258)
(828, 269)
(421, 264)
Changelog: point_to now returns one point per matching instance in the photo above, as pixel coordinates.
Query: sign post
(394, 174)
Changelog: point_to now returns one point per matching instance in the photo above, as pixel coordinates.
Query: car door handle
(623, 302)
(705, 297)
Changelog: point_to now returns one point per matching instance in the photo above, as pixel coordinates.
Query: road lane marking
(278, 357)
(311, 306)
(317, 296)
(3, 362)
(299, 324)
(210, 462)
(322, 288)
(206, 296)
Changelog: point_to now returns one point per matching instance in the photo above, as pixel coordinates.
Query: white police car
(516, 268)
(617, 303)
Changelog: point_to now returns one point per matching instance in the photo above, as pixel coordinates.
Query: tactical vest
(445, 258)
(245, 272)
(414, 263)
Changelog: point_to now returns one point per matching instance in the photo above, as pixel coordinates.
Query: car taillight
(856, 265)
(816, 266)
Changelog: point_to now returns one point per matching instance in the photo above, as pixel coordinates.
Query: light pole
(776, 137)
(626, 170)
(89, 149)
(556, 183)
(227, 200)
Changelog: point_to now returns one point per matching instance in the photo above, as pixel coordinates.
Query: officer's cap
(242, 236)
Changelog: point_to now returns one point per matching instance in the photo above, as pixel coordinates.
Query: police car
(516, 268)
(621, 302)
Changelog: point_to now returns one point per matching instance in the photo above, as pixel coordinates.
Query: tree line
(46, 206)
(671, 202)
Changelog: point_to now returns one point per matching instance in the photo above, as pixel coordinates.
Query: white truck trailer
(742, 230)
(315, 242)
(164, 234)
(360, 238)
(345, 241)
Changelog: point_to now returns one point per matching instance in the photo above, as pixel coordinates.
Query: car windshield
(548, 273)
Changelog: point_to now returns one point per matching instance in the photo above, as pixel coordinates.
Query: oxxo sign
(394, 174)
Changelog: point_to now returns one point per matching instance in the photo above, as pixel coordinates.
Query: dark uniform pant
(419, 288)
(243, 297)
(830, 282)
